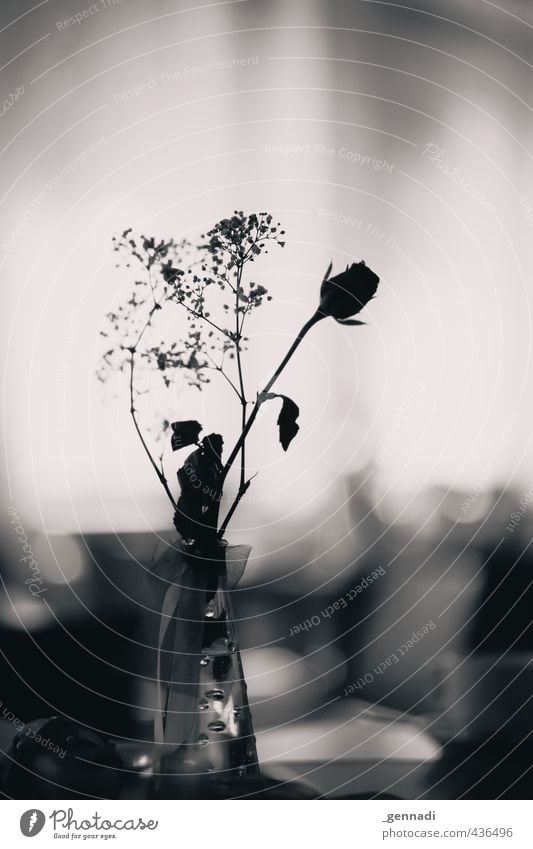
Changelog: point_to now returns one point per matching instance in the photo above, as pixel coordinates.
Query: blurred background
(396, 134)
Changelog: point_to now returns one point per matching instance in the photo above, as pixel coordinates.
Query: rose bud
(348, 292)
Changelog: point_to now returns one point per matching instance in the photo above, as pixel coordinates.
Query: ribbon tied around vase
(188, 577)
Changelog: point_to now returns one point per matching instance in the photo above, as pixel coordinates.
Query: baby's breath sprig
(206, 281)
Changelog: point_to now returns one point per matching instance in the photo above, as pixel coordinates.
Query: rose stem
(316, 317)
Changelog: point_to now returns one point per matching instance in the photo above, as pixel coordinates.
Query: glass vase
(203, 724)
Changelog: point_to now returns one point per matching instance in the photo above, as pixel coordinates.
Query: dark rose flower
(348, 292)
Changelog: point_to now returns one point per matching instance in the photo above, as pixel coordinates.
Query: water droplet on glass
(217, 725)
(203, 740)
(210, 610)
(215, 694)
(203, 704)
(241, 772)
(204, 660)
(231, 646)
(141, 762)
(237, 711)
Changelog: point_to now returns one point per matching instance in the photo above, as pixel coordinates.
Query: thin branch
(240, 493)
(160, 475)
(216, 367)
(149, 270)
(200, 315)
(155, 307)
(240, 373)
(161, 465)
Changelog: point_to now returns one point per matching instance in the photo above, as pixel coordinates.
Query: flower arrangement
(190, 277)
(211, 283)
